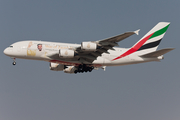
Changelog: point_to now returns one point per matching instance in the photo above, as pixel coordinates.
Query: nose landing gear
(14, 61)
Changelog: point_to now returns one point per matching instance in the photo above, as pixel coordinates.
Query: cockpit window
(11, 46)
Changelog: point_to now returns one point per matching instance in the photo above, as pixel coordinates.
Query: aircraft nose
(5, 51)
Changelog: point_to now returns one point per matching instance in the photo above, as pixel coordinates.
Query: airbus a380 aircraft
(84, 57)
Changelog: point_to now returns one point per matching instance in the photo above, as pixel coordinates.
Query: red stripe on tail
(134, 48)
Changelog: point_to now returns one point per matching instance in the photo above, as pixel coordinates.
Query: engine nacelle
(88, 46)
(64, 53)
(56, 67)
(70, 69)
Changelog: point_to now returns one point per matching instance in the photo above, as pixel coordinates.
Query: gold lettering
(31, 52)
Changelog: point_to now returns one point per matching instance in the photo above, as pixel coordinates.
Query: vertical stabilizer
(150, 41)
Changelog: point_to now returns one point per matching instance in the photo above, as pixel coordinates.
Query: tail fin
(150, 42)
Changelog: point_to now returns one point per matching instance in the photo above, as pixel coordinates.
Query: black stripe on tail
(150, 45)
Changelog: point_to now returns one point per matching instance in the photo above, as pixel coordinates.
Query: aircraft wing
(118, 38)
(88, 55)
(102, 46)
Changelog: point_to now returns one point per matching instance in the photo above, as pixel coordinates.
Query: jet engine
(64, 53)
(56, 67)
(70, 69)
(88, 46)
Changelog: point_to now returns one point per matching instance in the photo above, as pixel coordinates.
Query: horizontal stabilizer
(157, 53)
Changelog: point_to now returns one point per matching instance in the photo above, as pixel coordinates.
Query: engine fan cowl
(70, 69)
(63, 53)
(88, 46)
(56, 67)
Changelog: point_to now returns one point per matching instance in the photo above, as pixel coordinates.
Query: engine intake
(88, 46)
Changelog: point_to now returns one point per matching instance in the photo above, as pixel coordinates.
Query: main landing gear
(14, 61)
(83, 68)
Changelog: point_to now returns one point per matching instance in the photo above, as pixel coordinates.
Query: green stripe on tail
(160, 32)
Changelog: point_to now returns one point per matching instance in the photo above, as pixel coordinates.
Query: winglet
(137, 32)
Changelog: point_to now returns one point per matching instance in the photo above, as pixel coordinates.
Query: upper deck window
(11, 46)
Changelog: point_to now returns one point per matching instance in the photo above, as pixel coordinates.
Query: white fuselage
(29, 50)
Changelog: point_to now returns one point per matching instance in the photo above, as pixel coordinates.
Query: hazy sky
(30, 91)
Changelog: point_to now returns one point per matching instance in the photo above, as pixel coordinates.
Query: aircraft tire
(14, 63)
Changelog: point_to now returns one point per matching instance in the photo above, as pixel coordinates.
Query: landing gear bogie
(83, 68)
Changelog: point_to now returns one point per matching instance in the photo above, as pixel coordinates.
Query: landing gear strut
(83, 68)
(14, 61)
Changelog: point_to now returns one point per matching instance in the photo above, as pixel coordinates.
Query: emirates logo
(66, 53)
(88, 45)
